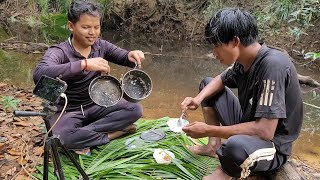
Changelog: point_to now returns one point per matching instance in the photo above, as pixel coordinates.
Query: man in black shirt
(262, 123)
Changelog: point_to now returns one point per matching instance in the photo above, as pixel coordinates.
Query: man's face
(227, 54)
(86, 30)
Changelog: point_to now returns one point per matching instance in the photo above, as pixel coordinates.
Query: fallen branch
(307, 80)
(27, 47)
(312, 105)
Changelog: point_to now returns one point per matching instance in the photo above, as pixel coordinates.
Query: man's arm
(263, 128)
(115, 54)
(53, 65)
(213, 88)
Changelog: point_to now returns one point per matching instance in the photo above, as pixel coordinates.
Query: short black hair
(229, 23)
(79, 7)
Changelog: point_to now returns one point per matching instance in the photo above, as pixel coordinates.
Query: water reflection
(176, 68)
(16, 68)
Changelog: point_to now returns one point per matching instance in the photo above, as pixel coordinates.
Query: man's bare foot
(85, 151)
(128, 130)
(217, 174)
(205, 150)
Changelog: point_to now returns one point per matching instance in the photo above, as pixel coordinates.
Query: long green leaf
(115, 161)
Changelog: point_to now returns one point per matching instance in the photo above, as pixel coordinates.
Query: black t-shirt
(270, 89)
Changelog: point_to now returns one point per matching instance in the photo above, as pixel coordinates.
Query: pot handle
(104, 74)
(121, 79)
(136, 66)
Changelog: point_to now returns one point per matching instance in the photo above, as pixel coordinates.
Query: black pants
(241, 155)
(88, 126)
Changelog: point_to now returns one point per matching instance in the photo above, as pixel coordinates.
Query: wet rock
(3, 139)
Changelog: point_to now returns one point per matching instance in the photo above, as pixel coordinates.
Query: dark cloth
(79, 129)
(85, 124)
(237, 149)
(270, 89)
(63, 61)
(225, 102)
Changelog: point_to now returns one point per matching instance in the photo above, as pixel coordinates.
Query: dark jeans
(241, 155)
(81, 129)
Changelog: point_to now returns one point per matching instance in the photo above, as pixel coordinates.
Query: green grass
(116, 161)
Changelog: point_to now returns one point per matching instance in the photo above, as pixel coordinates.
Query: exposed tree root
(307, 80)
(176, 18)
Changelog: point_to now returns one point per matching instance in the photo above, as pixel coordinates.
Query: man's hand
(196, 129)
(96, 64)
(136, 57)
(189, 103)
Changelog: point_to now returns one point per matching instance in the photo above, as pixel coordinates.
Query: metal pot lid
(152, 135)
(134, 142)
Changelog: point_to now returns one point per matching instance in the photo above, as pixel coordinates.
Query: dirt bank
(164, 19)
(179, 19)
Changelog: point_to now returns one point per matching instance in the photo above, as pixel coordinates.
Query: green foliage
(44, 5)
(117, 161)
(273, 16)
(54, 18)
(281, 9)
(61, 6)
(9, 102)
(306, 13)
(53, 6)
(3, 55)
(104, 4)
(33, 22)
(312, 55)
(213, 6)
(55, 26)
(296, 33)
(296, 15)
(287, 11)
(3, 36)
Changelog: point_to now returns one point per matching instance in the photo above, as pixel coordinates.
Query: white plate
(174, 125)
(163, 156)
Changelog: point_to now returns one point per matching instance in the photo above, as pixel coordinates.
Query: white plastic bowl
(174, 125)
(163, 156)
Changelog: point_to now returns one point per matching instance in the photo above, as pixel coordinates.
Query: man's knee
(204, 82)
(136, 111)
(64, 136)
(235, 148)
(232, 154)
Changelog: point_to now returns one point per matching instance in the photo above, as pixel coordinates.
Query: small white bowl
(174, 125)
(163, 156)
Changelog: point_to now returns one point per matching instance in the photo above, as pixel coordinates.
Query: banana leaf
(116, 161)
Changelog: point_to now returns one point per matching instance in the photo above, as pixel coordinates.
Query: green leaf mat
(120, 160)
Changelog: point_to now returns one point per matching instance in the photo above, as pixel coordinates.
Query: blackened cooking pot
(105, 90)
(136, 85)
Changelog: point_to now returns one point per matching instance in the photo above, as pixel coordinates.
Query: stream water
(176, 68)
